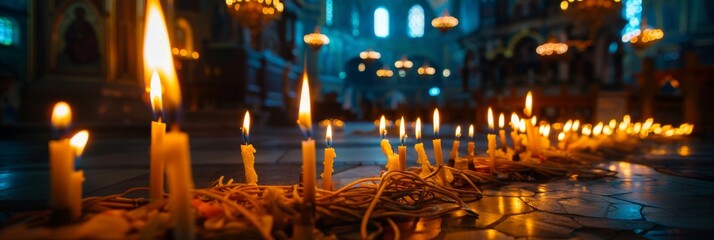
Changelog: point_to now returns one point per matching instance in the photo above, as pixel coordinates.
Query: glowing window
(328, 12)
(381, 22)
(416, 21)
(355, 23)
(7, 31)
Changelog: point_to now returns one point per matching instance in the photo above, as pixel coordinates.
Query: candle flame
(458, 132)
(471, 131)
(501, 121)
(246, 126)
(383, 126)
(612, 124)
(598, 129)
(79, 141)
(576, 125)
(586, 130)
(436, 123)
(61, 115)
(561, 136)
(568, 126)
(623, 126)
(648, 124)
(304, 117)
(402, 130)
(155, 93)
(626, 119)
(607, 130)
(417, 129)
(522, 125)
(157, 54)
(490, 118)
(534, 120)
(636, 128)
(328, 135)
(529, 104)
(514, 120)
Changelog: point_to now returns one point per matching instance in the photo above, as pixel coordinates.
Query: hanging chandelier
(370, 55)
(255, 14)
(426, 70)
(316, 39)
(403, 64)
(384, 72)
(552, 48)
(445, 22)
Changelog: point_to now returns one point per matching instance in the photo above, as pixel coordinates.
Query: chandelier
(445, 22)
(316, 39)
(403, 64)
(384, 72)
(552, 48)
(370, 55)
(426, 70)
(256, 13)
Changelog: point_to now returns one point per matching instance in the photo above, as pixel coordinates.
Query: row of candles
(169, 150)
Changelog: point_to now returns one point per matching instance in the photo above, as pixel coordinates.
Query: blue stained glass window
(381, 22)
(416, 22)
(7, 30)
(328, 12)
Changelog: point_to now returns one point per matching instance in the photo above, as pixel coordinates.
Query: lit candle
(247, 152)
(392, 159)
(158, 59)
(445, 173)
(61, 160)
(455, 147)
(402, 148)
(329, 161)
(491, 140)
(545, 132)
(561, 141)
(308, 162)
(78, 142)
(422, 158)
(502, 131)
(514, 133)
(533, 141)
(158, 130)
(472, 146)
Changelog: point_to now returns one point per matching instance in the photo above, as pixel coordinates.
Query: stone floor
(665, 192)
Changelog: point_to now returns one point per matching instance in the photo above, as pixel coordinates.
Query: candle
(247, 152)
(402, 149)
(491, 140)
(502, 131)
(472, 146)
(308, 163)
(329, 161)
(77, 142)
(514, 133)
(422, 158)
(561, 141)
(545, 132)
(455, 146)
(61, 160)
(445, 173)
(392, 159)
(533, 141)
(158, 130)
(158, 59)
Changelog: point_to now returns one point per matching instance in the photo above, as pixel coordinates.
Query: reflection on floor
(665, 193)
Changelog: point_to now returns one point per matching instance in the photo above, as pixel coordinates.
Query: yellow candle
(562, 144)
(491, 141)
(329, 161)
(502, 131)
(472, 146)
(65, 183)
(455, 147)
(158, 130)
(392, 159)
(180, 181)
(77, 142)
(402, 149)
(422, 158)
(247, 152)
(305, 225)
(444, 175)
(533, 141)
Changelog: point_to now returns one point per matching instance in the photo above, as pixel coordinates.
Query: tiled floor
(664, 192)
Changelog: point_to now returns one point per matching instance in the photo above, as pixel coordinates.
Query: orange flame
(304, 117)
(61, 115)
(79, 141)
(157, 54)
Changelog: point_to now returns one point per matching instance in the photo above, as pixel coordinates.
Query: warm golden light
(436, 122)
(561, 136)
(490, 118)
(328, 134)
(61, 115)
(576, 125)
(246, 125)
(522, 125)
(501, 121)
(155, 93)
(586, 130)
(79, 141)
(607, 130)
(458, 132)
(471, 131)
(626, 119)
(598, 129)
(612, 124)
(383, 126)
(568, 126)
(157, 54)
(304, 117)
(529, 104)
(417, 129)
(534, 120)
(514, 120)
(402, 130)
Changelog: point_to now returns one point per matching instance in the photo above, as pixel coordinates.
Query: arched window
(416, 22)
(381, 22)
(7, 31)
(328, 12)
(355, 22)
